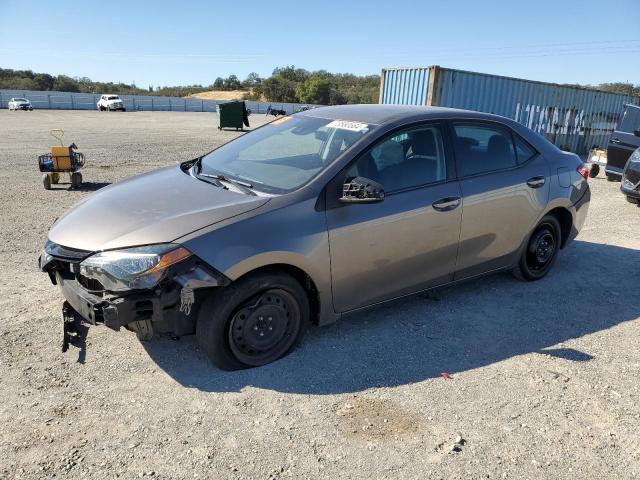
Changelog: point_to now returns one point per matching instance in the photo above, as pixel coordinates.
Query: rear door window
(482, 148)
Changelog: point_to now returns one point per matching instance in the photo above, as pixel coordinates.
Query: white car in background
(20, 104)
(110, 103)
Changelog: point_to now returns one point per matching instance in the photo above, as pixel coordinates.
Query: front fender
(294, 235)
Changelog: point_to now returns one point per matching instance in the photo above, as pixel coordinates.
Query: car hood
(155, 207)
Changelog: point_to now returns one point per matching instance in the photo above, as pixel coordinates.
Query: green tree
(252, 80)
(291, 73)
(218, 84)
(63, 83)
(314, 89)
(232, 83)
(278, 89)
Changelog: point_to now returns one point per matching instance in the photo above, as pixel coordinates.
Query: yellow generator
(61, 159)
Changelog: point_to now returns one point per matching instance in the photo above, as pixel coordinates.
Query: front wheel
(594, 170)
(541, 252)
(611, 178)
(253, 322)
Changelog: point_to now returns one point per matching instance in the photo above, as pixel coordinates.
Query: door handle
(615, 140)
(446, 204)
(536, 182)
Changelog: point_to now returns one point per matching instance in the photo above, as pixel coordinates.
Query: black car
(624, 140)
(631, 178)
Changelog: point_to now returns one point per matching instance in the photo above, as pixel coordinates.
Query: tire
(76, 179)
(541, 251)
(633, 200)
(611, 177)
(253, 322)
(55, 177)
(46, 181)
(594, 170)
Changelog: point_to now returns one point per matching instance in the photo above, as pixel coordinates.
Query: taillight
(583, 170)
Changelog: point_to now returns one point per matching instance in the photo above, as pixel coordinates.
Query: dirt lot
(220, 95)
(544, 376)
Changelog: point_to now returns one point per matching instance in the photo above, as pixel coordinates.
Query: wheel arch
(318, 311)
(565, 219)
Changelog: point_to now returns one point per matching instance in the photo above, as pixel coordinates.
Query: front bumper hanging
(165, 308)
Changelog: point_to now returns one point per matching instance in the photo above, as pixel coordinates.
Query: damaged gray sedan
(310, 217)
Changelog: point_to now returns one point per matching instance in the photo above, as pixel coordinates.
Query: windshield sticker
(347, 125)
(280, 120)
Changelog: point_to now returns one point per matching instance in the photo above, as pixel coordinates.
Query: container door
(505, 187)
(624, 140)
(408, 241)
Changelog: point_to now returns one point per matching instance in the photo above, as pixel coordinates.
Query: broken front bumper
(165, 308)
(113, 311)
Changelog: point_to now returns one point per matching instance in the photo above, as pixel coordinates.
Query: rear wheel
(541, 252)
(594, 170)
(611, 177)
(253, 322)
(46, 181)
(633, 200)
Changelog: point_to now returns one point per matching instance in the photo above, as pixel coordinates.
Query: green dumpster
(232, 115)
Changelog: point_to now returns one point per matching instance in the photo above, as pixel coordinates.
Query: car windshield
(113, 97)
(286, 153)
(20, 100)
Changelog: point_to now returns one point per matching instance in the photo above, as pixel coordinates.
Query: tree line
(286, 84)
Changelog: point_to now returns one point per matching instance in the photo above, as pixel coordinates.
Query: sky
(164, 43)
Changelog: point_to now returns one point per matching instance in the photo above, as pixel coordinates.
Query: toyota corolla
(310, 217)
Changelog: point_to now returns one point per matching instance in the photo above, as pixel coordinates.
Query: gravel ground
(543, 376)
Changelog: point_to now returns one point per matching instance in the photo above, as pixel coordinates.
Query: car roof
(398, 115)
(381, 114)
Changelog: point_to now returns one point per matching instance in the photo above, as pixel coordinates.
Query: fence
(88, 101)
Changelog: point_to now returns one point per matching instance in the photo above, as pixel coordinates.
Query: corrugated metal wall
(406, 86)
(87, 101)
(573, 118)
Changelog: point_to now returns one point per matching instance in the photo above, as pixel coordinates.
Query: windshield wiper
(244, 186)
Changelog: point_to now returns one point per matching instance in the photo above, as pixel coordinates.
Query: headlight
(132, 268)
(635, 156)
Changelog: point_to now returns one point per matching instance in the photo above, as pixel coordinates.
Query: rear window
(630, 119)
(113, 97)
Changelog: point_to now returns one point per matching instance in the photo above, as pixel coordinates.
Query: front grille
(144, 310)
(90, 283)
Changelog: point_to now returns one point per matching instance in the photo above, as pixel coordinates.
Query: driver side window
(408, 159)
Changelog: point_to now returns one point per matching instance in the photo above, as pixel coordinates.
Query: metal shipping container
(574, 118)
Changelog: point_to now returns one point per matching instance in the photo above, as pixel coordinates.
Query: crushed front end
(149, 289)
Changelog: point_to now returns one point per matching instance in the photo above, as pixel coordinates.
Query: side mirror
(636, 132)
(361, 190)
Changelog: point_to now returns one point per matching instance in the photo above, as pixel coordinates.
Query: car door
(624, 140)
(408, 241)
(505, 188)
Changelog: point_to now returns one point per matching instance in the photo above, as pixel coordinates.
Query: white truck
(110, 103)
